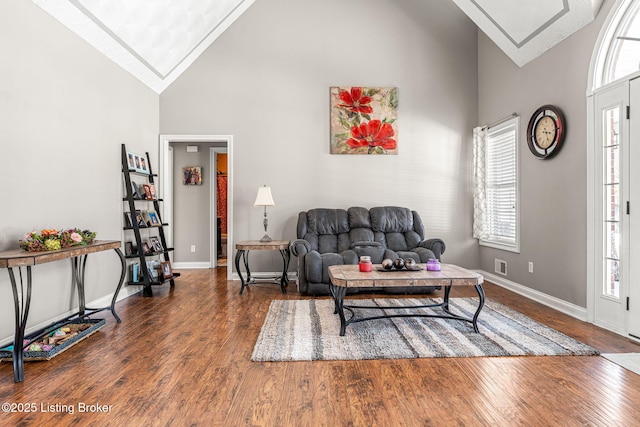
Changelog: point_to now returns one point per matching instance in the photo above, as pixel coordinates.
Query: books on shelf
(134, 272)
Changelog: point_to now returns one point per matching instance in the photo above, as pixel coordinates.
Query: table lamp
(265, 199)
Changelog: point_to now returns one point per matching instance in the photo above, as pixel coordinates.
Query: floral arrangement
(54, 240)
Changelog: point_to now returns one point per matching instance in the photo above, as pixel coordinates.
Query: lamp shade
(264, 197)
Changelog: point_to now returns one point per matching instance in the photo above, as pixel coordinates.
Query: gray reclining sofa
(336, 236)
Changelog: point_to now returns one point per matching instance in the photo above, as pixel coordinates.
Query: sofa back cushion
(335, 230)
(327, 230)
(398, 229)
(360, 225)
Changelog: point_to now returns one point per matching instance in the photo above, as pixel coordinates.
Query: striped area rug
(308, 330)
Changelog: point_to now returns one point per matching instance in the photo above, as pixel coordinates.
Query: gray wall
(191, 204)
(266, 82)
(64, 111)
(553, 206)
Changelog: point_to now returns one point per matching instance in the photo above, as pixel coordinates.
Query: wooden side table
(18, 258)
(242, 251)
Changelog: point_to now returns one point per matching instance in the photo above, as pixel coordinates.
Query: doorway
(167, 176)
(219, 190)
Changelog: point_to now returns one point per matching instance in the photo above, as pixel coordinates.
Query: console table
(78, 256)
(243, 249)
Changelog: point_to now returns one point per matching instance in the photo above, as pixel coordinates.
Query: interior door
(633, 320)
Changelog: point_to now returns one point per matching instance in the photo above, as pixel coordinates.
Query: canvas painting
(364, 120)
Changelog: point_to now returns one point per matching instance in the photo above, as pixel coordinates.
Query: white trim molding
(562, 306)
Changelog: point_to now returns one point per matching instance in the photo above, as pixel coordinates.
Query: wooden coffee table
(344, 277)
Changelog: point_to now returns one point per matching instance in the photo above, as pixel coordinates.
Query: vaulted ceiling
(156, 40)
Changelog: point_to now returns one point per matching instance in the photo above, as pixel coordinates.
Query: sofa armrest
(300, 247)
(436, 246)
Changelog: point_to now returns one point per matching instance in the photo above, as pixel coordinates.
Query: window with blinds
(501, 186)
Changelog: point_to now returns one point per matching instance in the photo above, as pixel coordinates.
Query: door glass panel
(611, 205)
(613, 237)
(612, 279)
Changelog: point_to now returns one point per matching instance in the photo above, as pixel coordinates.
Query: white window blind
(501, 186)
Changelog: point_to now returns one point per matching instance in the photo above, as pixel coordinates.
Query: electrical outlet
(193, 248)
(530, 267)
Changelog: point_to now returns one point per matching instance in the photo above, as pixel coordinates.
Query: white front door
(633, 302)
(611, 194)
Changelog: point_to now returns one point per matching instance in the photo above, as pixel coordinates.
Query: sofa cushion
(389, 219)
(327, 221)
(359, 217)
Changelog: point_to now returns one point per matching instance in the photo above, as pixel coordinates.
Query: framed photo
(154, 221)
(144, 167)
(192, 175)
(153, 268)
(140, 219)
(146, 248)
(155, 244)
(166, 270)
(129, 249)
(149, 191)
(136, 161)
(131, 160)
(134, 190)
(128, 223)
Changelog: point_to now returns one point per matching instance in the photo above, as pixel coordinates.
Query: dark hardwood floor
(182, 358)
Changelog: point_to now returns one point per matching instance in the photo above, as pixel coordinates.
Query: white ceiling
(156, 40)
(525, 29)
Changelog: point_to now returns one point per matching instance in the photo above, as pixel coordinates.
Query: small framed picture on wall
(192, 175)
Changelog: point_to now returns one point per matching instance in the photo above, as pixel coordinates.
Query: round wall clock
(546, 131)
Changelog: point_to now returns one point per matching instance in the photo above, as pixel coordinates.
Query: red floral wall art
(364, 120)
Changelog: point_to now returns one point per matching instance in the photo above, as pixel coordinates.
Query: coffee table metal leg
(480, 290)
(338, 293)
(445, 301)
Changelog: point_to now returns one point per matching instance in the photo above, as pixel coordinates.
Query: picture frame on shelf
(152, 268)
(140, 219)
(149, 191)
(144, 167)
(129, 249)
(131, 161)
(154, 221)
(136, 161)
(167, 273)
(128, 223)
(155, 244)
(146, 248)
(146, 218)
(134, 190)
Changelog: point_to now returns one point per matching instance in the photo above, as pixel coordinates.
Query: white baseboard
(105, 301)
(194, 265)
(548, 300)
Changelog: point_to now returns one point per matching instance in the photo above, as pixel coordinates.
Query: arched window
(623, 56)
(619, 49)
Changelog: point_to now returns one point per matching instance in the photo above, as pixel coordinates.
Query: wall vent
(501, 267)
